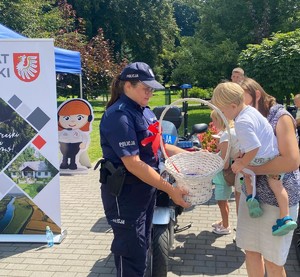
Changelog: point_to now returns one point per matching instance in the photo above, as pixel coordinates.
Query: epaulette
(121, 107)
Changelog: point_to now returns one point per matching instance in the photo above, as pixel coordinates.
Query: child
(222, 190)
(258, 144)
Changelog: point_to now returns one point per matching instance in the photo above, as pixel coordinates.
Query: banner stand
(58, 238)
(29, 165)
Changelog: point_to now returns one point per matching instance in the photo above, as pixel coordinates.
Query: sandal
(283, 226)
(254, 207)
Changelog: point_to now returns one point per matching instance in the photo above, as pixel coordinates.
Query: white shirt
(253, 130)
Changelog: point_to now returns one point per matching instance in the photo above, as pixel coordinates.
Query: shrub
(207, 141)
(202, 93)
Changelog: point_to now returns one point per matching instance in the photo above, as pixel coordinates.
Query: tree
(246, 21)
(99, 66)
(32, 18)
(275, 63)
(224, 30)
(58, 19)
(202, 64)
(186, 14)
(138, 29)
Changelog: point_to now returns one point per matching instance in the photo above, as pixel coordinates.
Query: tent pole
(80, 82)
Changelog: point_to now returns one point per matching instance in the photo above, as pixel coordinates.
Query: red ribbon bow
(155, 138)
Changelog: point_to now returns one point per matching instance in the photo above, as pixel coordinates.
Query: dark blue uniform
(123, 126)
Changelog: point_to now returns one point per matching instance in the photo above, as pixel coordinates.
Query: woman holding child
(264, 251)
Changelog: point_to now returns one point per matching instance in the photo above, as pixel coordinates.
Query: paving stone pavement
(86, 248)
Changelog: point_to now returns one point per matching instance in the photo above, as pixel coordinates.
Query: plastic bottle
(49, 237)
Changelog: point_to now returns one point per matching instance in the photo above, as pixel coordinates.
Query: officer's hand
(177, 196)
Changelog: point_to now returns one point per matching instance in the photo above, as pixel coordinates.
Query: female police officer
(129, 208)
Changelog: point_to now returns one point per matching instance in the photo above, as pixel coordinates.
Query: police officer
(123, 126)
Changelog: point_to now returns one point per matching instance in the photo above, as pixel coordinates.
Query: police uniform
(123, 126)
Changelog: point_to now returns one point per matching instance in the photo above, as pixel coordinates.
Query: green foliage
(187, 17)
(196, 92)
(225, 28)
(275, 63)
(32, 18)
(246, 21)
(203, 64)
(108, 33)
(140, 29)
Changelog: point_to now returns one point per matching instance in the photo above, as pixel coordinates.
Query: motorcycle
(164, 221)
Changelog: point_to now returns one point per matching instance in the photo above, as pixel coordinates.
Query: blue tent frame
(66, 61)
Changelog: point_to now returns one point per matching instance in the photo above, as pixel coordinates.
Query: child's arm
(223, 149)
(240, 163)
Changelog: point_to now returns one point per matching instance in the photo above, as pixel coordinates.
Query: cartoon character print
(74, 126)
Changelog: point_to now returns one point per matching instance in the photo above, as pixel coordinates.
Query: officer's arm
(173, 150)
(148, 175)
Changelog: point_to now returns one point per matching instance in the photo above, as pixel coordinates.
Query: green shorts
(222, 190)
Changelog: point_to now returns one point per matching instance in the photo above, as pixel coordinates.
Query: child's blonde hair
(226, 94)
(214, 115)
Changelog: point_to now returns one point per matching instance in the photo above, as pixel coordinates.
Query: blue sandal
(283, 226)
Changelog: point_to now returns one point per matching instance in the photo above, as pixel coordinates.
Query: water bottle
(49, 236)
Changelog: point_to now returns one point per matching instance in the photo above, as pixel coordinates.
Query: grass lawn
(196, 114)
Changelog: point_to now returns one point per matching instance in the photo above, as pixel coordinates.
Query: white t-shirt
(253, 130)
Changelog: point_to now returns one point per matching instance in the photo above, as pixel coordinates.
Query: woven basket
(194, 171)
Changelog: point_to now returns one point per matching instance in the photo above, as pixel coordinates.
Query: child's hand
(237, 166)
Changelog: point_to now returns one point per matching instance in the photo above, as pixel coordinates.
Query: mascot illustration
(74, 125)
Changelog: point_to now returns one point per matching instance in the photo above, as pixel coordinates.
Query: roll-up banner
(29, 163)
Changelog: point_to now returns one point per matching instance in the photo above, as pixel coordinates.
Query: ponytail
(116, 89)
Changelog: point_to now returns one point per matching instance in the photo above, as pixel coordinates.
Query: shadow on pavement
(203, 256)
(103, 267)
(101, 226)
(11, 248)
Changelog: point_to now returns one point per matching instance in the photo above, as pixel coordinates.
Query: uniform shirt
(253, 130)
(122, 128)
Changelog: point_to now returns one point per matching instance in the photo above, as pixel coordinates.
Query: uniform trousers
(130, 216)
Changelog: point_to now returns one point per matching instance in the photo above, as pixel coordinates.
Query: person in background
(237, 75)
(265, 252)
(297, 104)
(129, 172)
(223, 191)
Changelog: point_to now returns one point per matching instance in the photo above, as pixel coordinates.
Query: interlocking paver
(85, 251)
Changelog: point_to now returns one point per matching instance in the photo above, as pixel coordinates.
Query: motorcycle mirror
(199, 128)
